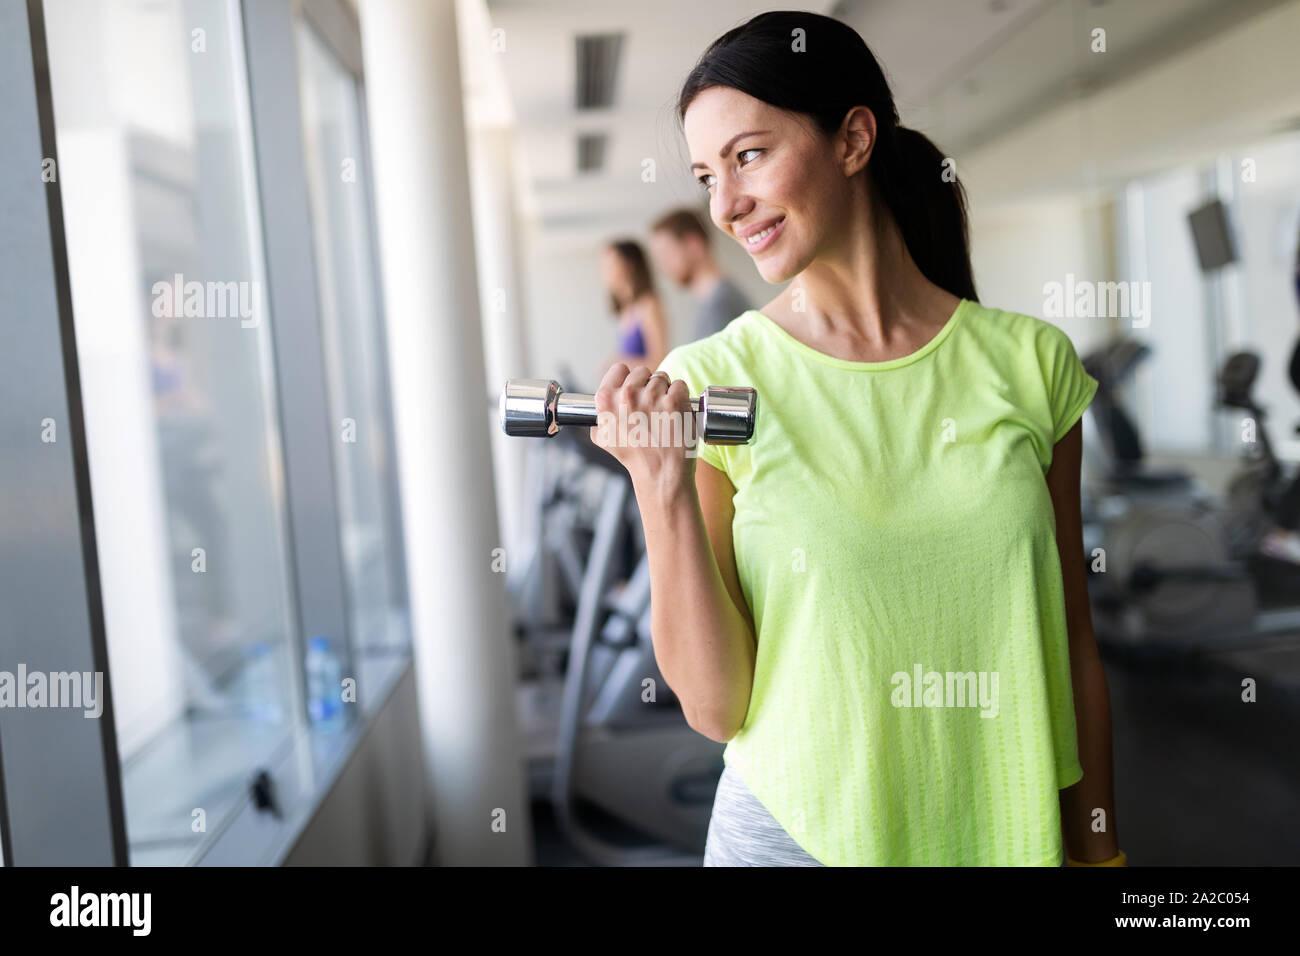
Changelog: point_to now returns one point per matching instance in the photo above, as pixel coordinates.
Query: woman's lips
(759, 245)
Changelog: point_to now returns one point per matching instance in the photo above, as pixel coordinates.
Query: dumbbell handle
(572, 408)
(537, 407)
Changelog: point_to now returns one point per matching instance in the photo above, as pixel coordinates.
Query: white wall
(1017, 247)
(1173, 401)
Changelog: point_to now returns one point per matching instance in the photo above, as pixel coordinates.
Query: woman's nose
(730, 202)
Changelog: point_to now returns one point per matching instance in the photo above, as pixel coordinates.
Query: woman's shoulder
(1011, 327)
(646, 303)
(1023, 346)
(1006, 319)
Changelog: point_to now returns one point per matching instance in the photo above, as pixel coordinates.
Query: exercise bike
(566, 476)
(624, 745)
(605, 735)
(1256, 495)
(1158, 545)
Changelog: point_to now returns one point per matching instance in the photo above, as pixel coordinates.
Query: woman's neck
(869, 288)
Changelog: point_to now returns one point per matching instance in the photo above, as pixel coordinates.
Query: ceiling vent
(598, 57)
(591, 151)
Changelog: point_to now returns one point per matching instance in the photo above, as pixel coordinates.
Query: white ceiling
(924, 44)
(962, 70)
(1042, 58)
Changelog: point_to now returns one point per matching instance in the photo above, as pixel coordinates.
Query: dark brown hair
(815, 65)
(638, 268)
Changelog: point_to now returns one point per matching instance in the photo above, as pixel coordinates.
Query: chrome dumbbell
(537, 407)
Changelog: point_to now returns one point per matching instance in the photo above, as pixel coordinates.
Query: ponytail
(929, 205)
(830, 71)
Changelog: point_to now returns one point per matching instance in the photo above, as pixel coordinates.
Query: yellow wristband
(1118, 860)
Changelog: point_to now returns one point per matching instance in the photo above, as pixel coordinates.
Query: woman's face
(780, 173)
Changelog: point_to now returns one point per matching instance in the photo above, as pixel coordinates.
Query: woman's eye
(703, 180)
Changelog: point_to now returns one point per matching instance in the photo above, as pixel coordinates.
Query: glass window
(351, 324)
(173, 339)
(1172, 395)
(1265, 218)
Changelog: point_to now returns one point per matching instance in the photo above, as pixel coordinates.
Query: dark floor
(553, 850)
(1201, 777)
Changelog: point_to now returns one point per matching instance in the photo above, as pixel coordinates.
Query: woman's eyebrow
(726, 148)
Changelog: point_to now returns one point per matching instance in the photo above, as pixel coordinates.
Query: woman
(879, 603)
(642, 328)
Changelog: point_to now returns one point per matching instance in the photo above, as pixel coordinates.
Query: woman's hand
(645, 421)
(613, 358)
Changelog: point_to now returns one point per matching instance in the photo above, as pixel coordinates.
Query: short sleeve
(679, 365)
(1070, 388)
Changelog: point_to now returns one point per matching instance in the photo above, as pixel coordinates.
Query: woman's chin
(774, 272)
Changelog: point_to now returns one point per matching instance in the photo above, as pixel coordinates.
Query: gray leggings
(743, 833)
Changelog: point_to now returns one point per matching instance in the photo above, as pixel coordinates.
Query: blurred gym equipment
(624, 744)
(630, 782)
(1256, 496)
(1176, 569)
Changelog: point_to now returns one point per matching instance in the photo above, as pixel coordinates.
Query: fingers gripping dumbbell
(536, 407)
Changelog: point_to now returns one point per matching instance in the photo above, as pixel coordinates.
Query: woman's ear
(858, 133)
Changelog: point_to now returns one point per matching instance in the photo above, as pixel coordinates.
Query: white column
(496, 231)
(465, 658)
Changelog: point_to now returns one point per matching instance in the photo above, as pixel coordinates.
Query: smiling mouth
(759, 237)
(761, 240)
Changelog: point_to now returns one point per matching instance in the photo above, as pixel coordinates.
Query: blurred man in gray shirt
(679, 246)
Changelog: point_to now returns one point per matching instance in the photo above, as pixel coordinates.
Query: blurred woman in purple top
(642, 326)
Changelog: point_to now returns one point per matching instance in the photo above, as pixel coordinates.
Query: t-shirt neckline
(809, 352)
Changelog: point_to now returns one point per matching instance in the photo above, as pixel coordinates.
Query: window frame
(43, 819)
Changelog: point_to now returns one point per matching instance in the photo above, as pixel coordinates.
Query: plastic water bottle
(324, 685)
(259, 683)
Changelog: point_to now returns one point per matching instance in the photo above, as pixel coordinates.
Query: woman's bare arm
(703, 630)
(655, 332)
(1088, 679)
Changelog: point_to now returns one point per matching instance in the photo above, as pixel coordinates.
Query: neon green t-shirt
(896, 544)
